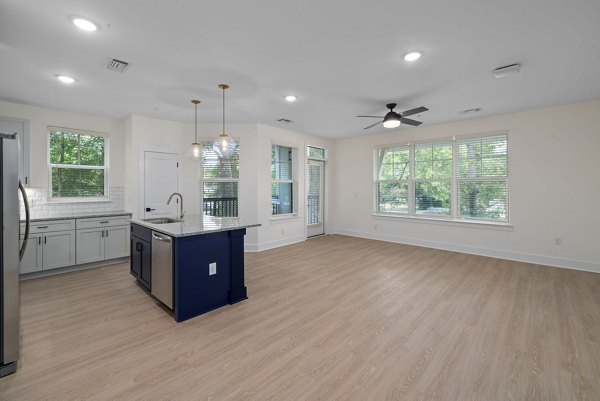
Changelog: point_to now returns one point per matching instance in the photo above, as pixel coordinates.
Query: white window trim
(78, 199)
(453, 218)
(294, 181)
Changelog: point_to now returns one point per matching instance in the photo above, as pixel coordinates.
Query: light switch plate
(212, 268)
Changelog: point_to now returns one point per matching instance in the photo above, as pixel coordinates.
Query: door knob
(149, 209)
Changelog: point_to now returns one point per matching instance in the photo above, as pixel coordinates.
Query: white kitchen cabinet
(48, 251)
(102, 239)
(116, 242)
(32, 259)
(58, 249)
(21, 128)
(90, 245)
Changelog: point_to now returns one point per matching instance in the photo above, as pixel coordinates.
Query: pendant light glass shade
(224, 146)
(195, 152)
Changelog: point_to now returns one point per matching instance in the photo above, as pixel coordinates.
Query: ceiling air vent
(117, 65)
(470, 111)
(285, 120)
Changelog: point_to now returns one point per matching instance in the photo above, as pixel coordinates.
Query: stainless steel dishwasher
(162, 268)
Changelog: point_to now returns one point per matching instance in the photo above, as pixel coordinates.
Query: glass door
(315, 197)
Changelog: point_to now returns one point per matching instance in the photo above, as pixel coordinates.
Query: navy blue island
(192, 265)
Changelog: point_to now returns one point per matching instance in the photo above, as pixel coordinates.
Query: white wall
(554, 173)
(277, 232)
(39, 120)
(151, 134)
(255, 180)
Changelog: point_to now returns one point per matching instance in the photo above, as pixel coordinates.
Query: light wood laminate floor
(332, 318)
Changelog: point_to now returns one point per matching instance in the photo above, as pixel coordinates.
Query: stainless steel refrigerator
(12, 253)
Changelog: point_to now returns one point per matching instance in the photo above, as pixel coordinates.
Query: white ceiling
(340, 57)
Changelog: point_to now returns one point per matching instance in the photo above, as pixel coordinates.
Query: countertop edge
(162, 229)
(79, 216)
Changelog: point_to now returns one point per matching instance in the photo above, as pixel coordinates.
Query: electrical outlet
(282, 232)
(212, 268)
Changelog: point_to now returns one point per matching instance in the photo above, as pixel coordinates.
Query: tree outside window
(78, 164)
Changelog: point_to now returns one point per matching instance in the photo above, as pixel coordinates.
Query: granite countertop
(196, 224)
(45, 216)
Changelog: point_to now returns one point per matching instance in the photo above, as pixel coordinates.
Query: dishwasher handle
(160, 238)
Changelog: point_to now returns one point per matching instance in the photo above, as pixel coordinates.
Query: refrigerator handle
(26, 237)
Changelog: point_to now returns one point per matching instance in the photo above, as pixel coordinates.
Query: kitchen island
(192, 266)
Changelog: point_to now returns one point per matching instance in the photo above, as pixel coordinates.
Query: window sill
(78, 200)
(450, 222)
(283, 217)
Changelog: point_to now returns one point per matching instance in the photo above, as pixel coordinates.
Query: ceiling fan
(393, 119)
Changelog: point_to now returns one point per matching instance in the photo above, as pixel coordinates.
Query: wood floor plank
(332, 318)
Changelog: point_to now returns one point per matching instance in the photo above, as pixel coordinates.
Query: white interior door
(160, 181)
(315, 197)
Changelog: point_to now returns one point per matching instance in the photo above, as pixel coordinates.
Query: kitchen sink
(162, 220)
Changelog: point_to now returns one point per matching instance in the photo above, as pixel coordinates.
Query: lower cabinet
(66, 242)
(48, 251)
(96, 244)
(141, 261)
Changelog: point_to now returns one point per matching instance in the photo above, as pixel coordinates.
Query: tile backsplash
(40, 206)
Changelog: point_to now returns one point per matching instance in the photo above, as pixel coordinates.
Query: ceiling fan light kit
(393, 119)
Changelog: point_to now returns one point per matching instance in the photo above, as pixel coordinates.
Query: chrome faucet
(181, 212)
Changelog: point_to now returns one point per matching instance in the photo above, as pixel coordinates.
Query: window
(315, 153)
(482, 178)
(220, 178)
(464, 179)
(283, 182)
(77, 164)
(433, 178)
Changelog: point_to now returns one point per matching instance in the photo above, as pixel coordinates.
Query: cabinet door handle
(104, 222)
(45, 239)
(138, 246)
(39, 240)
(102, 234)
(106, 233)
(40, 227)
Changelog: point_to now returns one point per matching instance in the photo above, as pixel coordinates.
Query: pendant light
(195, 152)
(224, 146)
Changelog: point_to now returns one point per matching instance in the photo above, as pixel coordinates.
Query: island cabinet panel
(238, 290)
(141, 255)
(196, 290)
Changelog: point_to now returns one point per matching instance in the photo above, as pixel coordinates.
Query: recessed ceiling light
(84, 24)
(65, 79)
(291, 98)
(412, 56)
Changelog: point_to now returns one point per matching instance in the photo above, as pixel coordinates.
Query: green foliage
(316, 153)
(483, 199)
(433, 161)
(482, 168)
(75, 150)
(433, 197)
(393, 197)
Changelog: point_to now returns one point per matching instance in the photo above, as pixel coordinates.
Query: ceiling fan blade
(372, 125)
(371, 116)
(408, 121)
(413, 111)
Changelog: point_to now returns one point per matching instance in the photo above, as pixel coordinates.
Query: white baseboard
(263, 246)
(573, 264)
(74, 268)
(250, 247)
